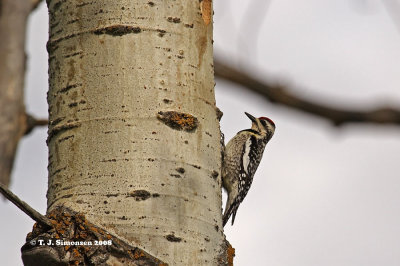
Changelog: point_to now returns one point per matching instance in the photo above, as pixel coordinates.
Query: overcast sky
(322, 195)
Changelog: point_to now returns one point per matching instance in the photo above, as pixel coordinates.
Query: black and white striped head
(262, 125)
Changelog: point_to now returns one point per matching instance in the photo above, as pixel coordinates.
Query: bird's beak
(252, 118)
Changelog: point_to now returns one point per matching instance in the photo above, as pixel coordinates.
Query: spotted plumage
(242, 156)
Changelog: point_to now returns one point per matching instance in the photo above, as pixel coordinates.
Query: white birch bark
(114, 66)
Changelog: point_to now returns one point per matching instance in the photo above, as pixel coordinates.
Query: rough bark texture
(13, 16)
(73, 240)
(134, 140)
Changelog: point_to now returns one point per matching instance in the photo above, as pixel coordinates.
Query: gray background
(322, 195)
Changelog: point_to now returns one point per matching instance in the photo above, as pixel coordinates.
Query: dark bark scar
(178, 121)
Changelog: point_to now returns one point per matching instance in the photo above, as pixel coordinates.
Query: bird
(241, 158)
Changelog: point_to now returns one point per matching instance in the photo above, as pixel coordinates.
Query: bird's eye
(263, 123)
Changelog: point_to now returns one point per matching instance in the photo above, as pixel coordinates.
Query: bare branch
(32, 122)
(9, 140)
(23, 206)
(280, 95)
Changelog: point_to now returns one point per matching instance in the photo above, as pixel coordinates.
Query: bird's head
(263, 125)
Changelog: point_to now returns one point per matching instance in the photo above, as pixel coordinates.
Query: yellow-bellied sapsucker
(242, 156)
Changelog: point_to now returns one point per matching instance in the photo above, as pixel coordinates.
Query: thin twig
(23, 206)
(32, 122)
(280, 95)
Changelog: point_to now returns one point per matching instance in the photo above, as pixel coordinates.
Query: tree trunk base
(75, 241)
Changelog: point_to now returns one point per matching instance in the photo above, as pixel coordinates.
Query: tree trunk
(134, 139)
(13, 16)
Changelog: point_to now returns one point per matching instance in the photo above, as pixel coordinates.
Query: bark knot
(118, 30)
(140, 195)
(173, 238)
(178, 121)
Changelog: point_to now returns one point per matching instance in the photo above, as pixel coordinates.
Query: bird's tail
(229, 210)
